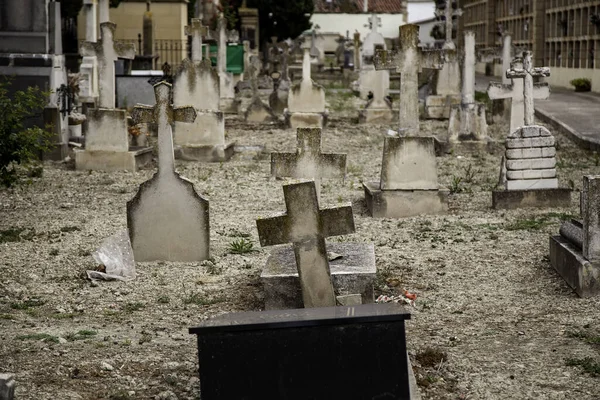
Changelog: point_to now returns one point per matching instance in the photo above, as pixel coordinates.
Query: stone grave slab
(167, 219)
(316, 343)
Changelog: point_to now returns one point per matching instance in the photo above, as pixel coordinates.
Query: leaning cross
(306, 227)
(107, 51)
(197, 31)
(448, 13)
(308, 161)
(409, 60)
(164, 114)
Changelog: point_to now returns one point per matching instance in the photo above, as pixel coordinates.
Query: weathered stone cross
(522, 91)
(409, 60)
(374, 22)
(306, 227)
(222, 49)
(164, 114)
(197, 31)
(308, 161)
(253, 69)
(448, 13)
(107, 51)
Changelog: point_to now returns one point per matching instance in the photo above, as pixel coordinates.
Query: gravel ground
(492, 320)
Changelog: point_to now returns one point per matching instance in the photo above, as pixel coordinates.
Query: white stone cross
(107, 51)
(306, 227)
(374, 22)
(527, 72)
(222, 48)
(409, 60)
(306, 67)
(448, 13)
(468, 79)
(506, 56)
(164, 114)
(253, 69)
(197, 31)
(91, 17)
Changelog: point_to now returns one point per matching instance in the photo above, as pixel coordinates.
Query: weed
(529, 224)
(7, 316)
(199, 300)
(44, 337)
(596, 159)
(131, 307)
(470, 173)
(456, 184)
(588, 364)
(67, 229)
(163, 300)
(354, 169)
(27, 304)
(431, 357)
(586, 337)
(54, 252)
(11, 235)
(80, 335)
(241, 246)
(63, 315)
(120, 395)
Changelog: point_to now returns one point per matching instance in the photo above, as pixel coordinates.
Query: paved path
(574, 114)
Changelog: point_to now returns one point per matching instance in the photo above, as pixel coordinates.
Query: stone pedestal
(202, 140)
(7, 386)
(580, 274)
(467, 123)
(296, 120)
(404, 203)
(540, 198)
(353, 273)
(60, 138)
(205, 153)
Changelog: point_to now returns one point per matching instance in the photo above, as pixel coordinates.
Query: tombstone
(512, 88)
(301, 275)
(447, 83)
(305, 354)
(467, 120)
(408, 184)
(249, 24)
(530, 160)
(88, 86)
(378, 109)
(575, 252)
(356, 51)
(228, 103)
(145, 59)
(257, 111)
(308, 161)
(278, 98)
(7, 386)
(197, 84)
(306, 101)
(167, 219)
(107, 139)
(369, 78)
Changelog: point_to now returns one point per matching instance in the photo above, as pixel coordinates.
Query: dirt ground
(492, 319)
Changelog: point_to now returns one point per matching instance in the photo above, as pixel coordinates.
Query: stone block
(530, 163)
(525, 184)
(409, 164)
(305, 120)
(107, 130)
(544, 141)
(536, 198)
(7, 386)
(375, 116)
(534, 152)
(404, 203)
(531, 174)
(353, 273)
(111, 161)
(581, 275)
(208, 129)
(206, 153)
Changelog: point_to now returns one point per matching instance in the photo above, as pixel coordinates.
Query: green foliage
(588, 364)
(241, 246)
(114, 3)
(20, 145)
(70, 8)
(456, 184)
(45, 337)
(581, 84)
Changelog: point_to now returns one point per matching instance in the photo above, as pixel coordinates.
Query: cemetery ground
(492, 319)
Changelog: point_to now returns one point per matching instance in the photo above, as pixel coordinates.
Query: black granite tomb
(355, 352)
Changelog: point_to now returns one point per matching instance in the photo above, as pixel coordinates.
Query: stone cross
(527, 72)
(356, 42)
(103, 12)
(468, 79)
(374, 22)
(164, 115)
(222, 46)
(409, 60)
(516, 91)
(506, 57)
(448, 13)
(107, 51)
(253, 69)
(308, 161)
(306, 67)
(306, 227)
(91, 20)
(285, 55)
(314, 52)
(197, 31)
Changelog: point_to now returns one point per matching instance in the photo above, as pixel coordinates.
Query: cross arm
(273, 230)
(385, 59)
(499, 90)
(337, 221)
(434, 59)
(125, 50)
(541, 90)
(184, 114)
(143, 114)
(90, 49)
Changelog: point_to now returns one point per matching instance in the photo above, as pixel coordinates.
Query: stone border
(572, 133)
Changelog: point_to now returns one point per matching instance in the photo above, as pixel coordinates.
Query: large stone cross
(374, 22)
(409, 61)
(253, 70)
(197, 31)
(448, 14)
(164, 114)
(306, 227)
(306, 67)
(308, 161)
(107, 51)
(222, 46)
(522, 90)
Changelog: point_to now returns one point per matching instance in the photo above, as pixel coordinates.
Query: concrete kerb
(579, 139)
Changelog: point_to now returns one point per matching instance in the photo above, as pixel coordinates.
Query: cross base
(439, 107)
(535, 198)
(376, 115)
(205, 153)
(404, 203)
(467, 123)
(112, 161)
(259, 112)
(296, 120)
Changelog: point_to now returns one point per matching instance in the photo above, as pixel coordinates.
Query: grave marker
(257, 111)
(228, 103)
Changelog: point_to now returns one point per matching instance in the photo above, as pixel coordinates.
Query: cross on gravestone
(448, 14)
(527, 72)
(374, 22)
(197, 31)
(308, 161)
(107, 51)
(222, 46)
(306, 67)
(314, 51)
(409, 60)
(506, 57)
(253, 70)
(306, 227)
(164, 114)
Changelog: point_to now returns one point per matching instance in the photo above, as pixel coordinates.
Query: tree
(70, 8)
(284, 19)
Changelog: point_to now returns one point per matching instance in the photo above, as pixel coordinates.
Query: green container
(235, 57)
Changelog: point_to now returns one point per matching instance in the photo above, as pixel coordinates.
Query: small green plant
(431, 357)
(581, 84)
(456, 184)
(588, 364)
(241, 246)
(80, 335)
(131, 307)
(200, 300)
(11, 235)
(470, 173)
(20, 145)
(528, 224)
(586, 337)
(163, 300)
(44, 337)
(24, 305)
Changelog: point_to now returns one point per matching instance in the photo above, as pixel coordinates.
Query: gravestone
(145, 59)
(408, 184)
(257, 111)
(278, 99)
(306, 227)
(467, 120)
(7, 386)
(356, 42)
(575, 253)
(447, 83)
(308, 161)
(228, 103)
(167, 219)
(530, 158)
(107, 138)
(378, 109)
(512, 89)
(88, 86)
(369, 78)
(306, 101)
(319, 354)
(197, 84)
